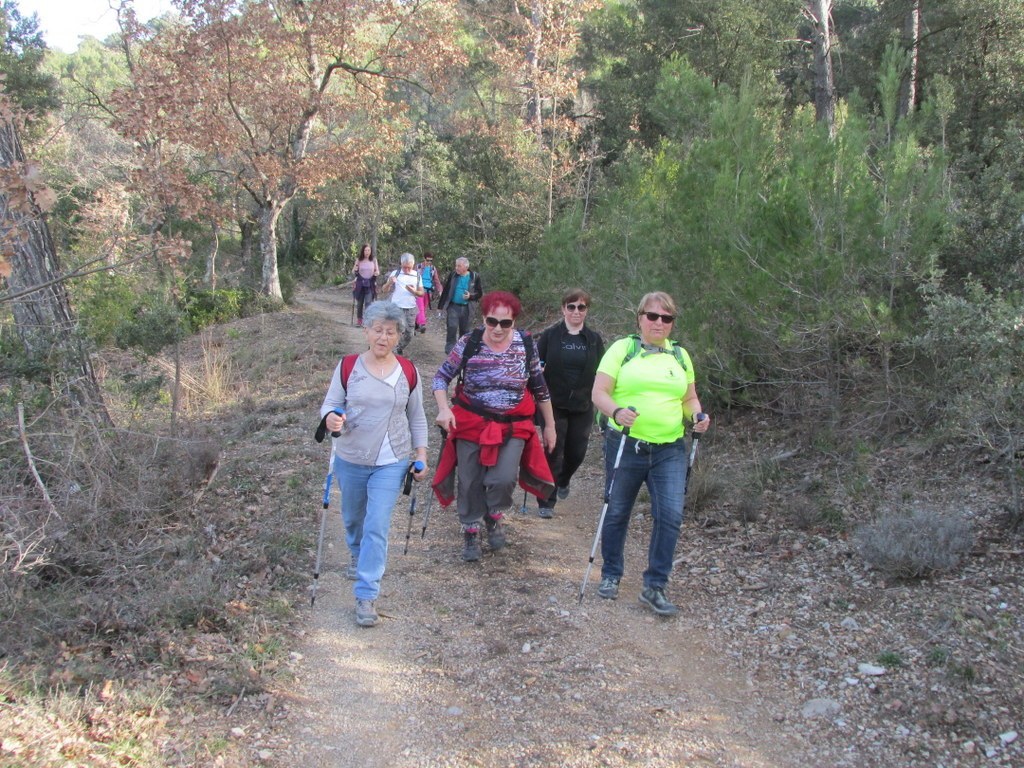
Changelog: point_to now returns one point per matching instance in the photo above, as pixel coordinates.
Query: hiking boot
(495, 532)
(608, 588)
(423, 329)
(352, 572)
(546, 512)
(472, 549)
(366, 614)
(654, 598)
(562, 491)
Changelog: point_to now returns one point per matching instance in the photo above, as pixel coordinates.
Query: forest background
(832, 191)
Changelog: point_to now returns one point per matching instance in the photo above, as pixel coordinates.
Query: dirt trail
(494, 663)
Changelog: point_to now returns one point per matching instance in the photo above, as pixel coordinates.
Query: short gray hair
(408, 258)
(463, 261)
(385, 312)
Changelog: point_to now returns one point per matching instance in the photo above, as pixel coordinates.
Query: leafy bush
(203, 307)
(974, 342)
(973, 385)
(104, 303)
(795, 258)
(915, 545)
(154, 323)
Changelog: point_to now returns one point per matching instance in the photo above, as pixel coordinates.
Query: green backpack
(635, 348)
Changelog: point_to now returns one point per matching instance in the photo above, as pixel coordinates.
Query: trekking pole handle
(698, 417)
(625, 429)
(338, 412)
(416, 466)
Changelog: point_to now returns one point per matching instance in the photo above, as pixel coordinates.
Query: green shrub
(974, 342)
(972, 384)
(154, 323)
(914, 545)
(203, 307)
(105, 303)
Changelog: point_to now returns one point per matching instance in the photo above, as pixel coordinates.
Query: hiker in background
(491, 437)
(366, 270)
(460, 287)
(430, 279)
(381, 423)
(406, 289)
(645, 383)
(569, 351)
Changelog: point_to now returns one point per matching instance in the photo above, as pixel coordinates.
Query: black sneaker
(562, 491)
(495, 532)
(608, 588)
(472, 551)
(654, 598)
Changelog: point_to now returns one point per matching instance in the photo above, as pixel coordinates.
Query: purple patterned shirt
(494, 381)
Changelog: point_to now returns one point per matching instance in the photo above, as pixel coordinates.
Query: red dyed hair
(500, 299)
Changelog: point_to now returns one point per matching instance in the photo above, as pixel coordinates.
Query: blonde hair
(661, 298)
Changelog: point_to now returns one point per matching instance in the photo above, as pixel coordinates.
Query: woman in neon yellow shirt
(645, 383)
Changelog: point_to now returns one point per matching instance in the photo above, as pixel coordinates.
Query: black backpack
(476, 338)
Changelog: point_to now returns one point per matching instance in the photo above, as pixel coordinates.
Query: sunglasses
(576, 307)
(495, 322)
(652, 316)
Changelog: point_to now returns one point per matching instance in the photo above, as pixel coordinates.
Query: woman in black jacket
(570, 352)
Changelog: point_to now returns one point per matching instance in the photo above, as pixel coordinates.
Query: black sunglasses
(652, 316)
(495, 322)
(574, 307)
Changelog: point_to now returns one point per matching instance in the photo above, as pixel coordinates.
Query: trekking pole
(328, 482)
(430, 491)
(417, 466)
(523, 508)
(689, 468)
(604, 509)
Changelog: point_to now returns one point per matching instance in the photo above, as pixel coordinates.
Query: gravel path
(495, 663)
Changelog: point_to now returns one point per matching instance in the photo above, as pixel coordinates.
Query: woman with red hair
(492, 440)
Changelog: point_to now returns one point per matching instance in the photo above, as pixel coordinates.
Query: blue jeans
(368, 495)
(663, 468)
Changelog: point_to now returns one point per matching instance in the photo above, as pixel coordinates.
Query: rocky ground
(788, 651)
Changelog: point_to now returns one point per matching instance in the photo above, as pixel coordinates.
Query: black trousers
(572, 430)
(363, 298)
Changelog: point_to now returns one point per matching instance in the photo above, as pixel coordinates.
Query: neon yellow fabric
(653, 384)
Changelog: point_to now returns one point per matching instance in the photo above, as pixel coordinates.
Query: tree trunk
(247, 252)
(270, 284)
(210, 279)
(42, 312)
(912, 36)
(820, 14)
(535, 99)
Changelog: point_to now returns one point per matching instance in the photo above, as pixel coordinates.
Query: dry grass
(165, 551)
